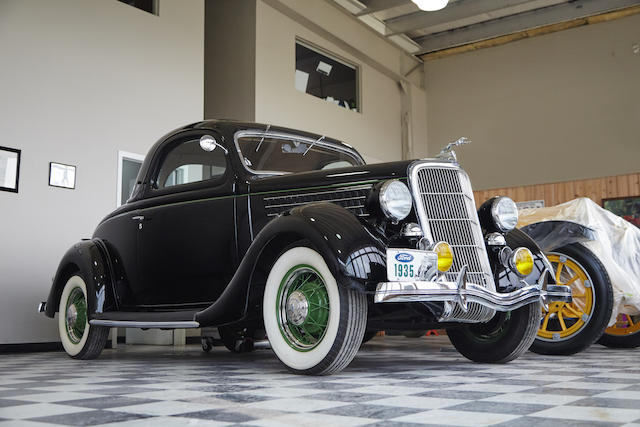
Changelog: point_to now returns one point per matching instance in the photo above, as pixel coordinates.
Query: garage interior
(546, 90)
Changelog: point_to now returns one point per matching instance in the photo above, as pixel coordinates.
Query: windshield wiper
(262, 139)
(312, 144)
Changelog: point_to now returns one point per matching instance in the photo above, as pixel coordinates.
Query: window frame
(122, 156)
(155, 6)
(161, 155)
(322, 51)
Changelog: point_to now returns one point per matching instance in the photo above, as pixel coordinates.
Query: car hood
(364, 173)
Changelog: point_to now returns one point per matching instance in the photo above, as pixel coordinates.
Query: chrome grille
(353, 198)
(446, 210)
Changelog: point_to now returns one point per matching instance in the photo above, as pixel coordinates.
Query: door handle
(138, 218)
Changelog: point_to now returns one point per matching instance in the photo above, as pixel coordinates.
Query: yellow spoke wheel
(625, 325)
(565, 319)
(568, 328)
(624, 334)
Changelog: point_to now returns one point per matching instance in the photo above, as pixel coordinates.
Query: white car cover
(617, 245)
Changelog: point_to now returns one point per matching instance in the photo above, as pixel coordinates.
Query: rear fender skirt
(550, 235)
(89, 257)
(352, 253)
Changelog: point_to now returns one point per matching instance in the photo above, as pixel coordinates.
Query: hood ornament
(447, 152)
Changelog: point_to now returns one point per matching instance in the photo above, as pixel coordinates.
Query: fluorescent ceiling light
(430, 5)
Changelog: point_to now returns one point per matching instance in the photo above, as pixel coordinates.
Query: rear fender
(351, 252)
(89, 259)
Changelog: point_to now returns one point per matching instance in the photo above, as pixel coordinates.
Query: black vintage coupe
(261, 230)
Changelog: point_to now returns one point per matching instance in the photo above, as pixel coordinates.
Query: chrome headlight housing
(395, 200)
(504, 213)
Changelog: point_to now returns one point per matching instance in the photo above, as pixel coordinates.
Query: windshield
(282, 153)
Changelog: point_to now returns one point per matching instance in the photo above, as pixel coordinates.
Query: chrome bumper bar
(463, 293)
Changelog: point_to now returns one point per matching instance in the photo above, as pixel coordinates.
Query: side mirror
(209, 143)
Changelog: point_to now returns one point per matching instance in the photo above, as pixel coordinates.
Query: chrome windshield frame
(289, 137)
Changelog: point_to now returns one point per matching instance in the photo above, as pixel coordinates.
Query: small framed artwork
(626, 207)
(9, 169)
(61, 175)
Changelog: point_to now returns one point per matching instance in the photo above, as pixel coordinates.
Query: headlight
(395, 200)
(504, 213)
(445, 256)
(522, 261)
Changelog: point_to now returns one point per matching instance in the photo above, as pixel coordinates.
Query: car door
(187, 244)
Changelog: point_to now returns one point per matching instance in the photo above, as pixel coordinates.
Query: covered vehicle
(259, 230)
(597, 254)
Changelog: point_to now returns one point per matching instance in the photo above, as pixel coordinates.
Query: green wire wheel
(315, 325)
(79, 339)
(303, 307)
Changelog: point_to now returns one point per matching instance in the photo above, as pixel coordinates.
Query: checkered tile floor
(393, 381)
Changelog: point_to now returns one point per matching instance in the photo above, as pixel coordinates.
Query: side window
(188, 163)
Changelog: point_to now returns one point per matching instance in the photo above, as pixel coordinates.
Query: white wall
(562, 106)
(80, 80)
(376, 130)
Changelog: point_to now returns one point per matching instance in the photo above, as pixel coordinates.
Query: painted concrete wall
(558, 107)
(229, 69)
(81, 80)
(376, 130)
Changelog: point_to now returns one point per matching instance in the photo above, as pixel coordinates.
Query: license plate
(403, 264)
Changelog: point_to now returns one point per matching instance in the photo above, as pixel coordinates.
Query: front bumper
(463, 292)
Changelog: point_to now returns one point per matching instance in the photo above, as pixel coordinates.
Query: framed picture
(626, 207)
(61, 175)
(9, 169)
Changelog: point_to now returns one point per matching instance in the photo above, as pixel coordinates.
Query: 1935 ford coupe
(256, 229)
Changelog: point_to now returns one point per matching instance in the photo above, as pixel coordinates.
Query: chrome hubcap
(297, 308)
(72, 314)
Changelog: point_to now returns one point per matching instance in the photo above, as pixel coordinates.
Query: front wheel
(624, 334)
(314, 326)
(79, 339)
(568, 328)
(500, 340)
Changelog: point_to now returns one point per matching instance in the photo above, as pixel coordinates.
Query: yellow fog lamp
(522, 261)
(445, 256)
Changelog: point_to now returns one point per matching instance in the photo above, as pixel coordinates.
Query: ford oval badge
(404, 257)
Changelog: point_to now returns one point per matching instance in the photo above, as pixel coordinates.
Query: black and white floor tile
(392, 382)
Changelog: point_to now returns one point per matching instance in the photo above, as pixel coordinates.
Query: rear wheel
(624, 334)
(314, 325)
(79, 339)
(502, 339)
(569, 328)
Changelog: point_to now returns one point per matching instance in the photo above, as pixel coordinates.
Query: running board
(144, 324)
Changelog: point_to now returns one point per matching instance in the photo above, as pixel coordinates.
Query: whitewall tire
(79, 339)
(314, 325)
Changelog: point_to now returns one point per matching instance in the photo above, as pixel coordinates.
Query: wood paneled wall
(559, 192)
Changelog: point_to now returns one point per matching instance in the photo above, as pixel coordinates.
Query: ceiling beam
(539, 31)
(454, 12)
(379, 5)
(517, 23)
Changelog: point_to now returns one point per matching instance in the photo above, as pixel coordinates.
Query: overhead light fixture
(431, 5)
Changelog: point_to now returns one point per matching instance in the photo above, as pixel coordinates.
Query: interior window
(188, 163)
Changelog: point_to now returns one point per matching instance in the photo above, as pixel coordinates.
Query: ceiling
(464, 22)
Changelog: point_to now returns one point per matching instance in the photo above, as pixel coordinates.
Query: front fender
(517, 238)
(89, 258)
(352, 253)
(550, 235)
